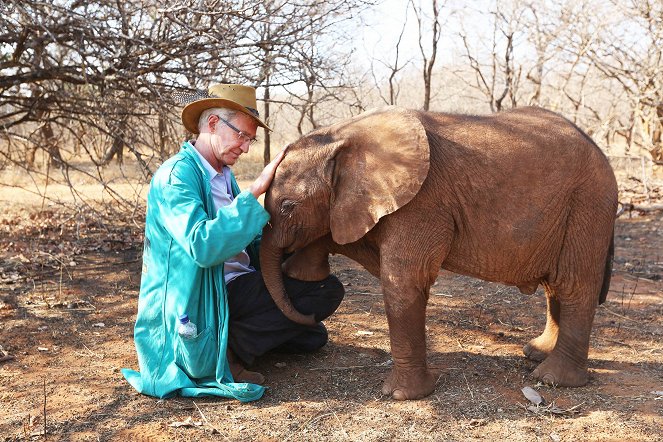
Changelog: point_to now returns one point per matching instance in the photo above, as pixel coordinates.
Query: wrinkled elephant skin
(523, 198)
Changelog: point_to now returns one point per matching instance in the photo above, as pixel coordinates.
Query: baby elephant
(522, 197)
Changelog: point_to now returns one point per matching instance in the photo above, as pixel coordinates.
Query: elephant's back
(509, 182)
(516, 154)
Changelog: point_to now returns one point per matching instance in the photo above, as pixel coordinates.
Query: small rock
(99, 324)
(280, 364)
(533, 396)
(555, 437)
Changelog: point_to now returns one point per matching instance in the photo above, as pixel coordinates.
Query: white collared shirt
(222, 195)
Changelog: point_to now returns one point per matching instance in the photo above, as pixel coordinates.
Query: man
(201, 259)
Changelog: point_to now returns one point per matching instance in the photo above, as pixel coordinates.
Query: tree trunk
(266, 153)
(162, 136)
(116, 150)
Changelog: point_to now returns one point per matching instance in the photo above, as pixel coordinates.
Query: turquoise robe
(186, 244)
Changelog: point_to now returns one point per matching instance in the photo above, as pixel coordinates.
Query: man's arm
(208, 241)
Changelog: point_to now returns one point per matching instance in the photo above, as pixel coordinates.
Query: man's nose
(245, 146)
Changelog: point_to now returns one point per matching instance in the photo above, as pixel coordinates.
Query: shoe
(241, 374)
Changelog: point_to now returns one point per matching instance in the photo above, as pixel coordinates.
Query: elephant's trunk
(271, 257)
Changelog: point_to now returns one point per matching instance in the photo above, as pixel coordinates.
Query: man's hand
(261, 184)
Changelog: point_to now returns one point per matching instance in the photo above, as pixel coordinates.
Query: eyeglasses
(240, 135)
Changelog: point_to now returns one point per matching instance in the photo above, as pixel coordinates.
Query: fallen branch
(351, 367)
(6, 358)
(44, 408)
(214, 429)
(618, 315)
(615, 342)
(628, 207)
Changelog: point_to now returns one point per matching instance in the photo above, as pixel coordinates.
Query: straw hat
(230, 96)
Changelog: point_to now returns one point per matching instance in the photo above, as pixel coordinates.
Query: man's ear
(213, 122)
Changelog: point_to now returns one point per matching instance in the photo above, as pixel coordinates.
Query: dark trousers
(258, 326)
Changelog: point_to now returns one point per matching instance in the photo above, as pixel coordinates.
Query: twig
(214, 429)
(90, 353)
(44, 409)
(6, 358)
(618, 315)
(635, 287)
(615, 342)
(341, 425)
(310, 421)
(60, 286)
(351, 367)
(468, 386)
(629, 207)
(48, 174)
(644, 177)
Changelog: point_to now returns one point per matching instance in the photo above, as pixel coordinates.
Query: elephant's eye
(287, 207)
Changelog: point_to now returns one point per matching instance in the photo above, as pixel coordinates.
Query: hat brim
(191, 112)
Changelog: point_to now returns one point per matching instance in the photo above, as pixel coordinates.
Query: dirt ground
(68, 297)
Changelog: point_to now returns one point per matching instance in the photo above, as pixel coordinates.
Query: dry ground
(68, 301)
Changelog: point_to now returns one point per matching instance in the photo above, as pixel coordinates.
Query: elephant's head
(341, 180)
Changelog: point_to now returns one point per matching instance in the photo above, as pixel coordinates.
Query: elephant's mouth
(296, 239)
(293, 242)
(293, 246)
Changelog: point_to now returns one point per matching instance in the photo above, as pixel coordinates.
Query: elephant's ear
(379, 165)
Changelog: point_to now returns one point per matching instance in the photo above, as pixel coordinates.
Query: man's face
(227, 143)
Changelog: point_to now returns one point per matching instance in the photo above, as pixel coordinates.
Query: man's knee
(331, 294)
(307, 341)
(334, 288)
(315, 341)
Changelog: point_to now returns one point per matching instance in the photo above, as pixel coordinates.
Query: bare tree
(496, 75)
(630, 55)
(98, 76)
(429, 61)
(393, 67)
(288, 52)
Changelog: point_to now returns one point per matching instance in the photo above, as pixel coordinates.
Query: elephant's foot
(408, 384)
(558, 371)
(539, 348)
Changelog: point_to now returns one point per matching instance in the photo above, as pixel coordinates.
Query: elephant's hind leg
(566, 365)
(574, 291)
(540, 347)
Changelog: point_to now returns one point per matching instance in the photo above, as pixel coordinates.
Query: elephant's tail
(608, 270)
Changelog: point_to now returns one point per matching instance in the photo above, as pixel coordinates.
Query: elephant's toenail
(399, 395)
(549, 378)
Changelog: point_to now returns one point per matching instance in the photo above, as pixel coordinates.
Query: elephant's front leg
(405, 303)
